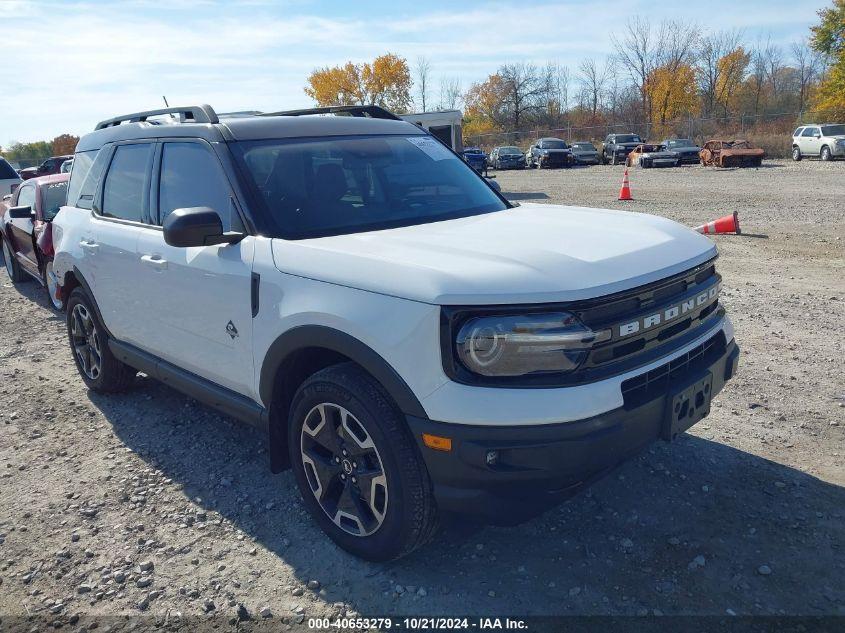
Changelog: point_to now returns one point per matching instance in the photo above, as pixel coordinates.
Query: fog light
(492, 458)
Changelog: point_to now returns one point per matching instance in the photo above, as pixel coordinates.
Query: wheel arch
(305, 350)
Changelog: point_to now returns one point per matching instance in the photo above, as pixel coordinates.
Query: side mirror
(21, 213)
(197, 226)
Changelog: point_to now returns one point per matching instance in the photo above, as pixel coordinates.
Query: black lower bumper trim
(505, 474)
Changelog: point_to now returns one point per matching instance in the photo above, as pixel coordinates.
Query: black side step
(220, 398)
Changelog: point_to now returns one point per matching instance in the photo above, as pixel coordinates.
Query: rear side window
(191, 177)
(126, 182)
(6, 171)
(82, 162)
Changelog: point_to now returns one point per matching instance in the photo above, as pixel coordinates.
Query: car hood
(534, 253)
(672, 154)
(585, 151)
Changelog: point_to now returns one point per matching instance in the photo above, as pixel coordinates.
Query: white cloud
(85, 61)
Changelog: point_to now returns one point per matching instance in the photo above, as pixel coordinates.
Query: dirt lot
(149, 503)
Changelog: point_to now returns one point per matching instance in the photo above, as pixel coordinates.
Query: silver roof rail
(187, 114)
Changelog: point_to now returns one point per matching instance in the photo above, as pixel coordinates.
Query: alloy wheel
(344, 469)
(7, 258)
(86, 341)
(52, 285)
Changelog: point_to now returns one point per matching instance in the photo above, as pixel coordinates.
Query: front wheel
(16, 274)
(359, 471)
(826, 155)
(51, 283)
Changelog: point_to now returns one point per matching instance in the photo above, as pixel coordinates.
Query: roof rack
(187, 114)
(371, 111)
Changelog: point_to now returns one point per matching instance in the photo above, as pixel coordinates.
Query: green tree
(28, 154)
(829, 39)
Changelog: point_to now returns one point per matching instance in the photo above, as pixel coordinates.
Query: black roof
(261, 126)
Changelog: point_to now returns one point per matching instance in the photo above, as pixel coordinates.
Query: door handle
(155, 261)
(89, 245)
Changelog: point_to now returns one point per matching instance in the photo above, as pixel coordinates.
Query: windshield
(833, 130)
(553, 144)
(679, 142)
(584, 147)
(320, 187)
(54, 196)
(510, 150)
(628, 138)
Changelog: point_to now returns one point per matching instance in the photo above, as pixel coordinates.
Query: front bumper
(539, 466)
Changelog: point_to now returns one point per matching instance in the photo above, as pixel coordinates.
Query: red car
(27, 232)
(52, 165)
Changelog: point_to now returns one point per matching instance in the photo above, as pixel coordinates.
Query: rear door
(197, 302)
(120, 214)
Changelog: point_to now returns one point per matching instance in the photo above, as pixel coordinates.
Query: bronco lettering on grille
(670, 313)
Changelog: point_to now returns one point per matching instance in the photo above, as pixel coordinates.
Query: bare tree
(422, 71)
(593, 80)
(773, 57)
(527, 90)
(643, 48)
(450, 93)
(711, 48)
(807, 69)
(758, 76)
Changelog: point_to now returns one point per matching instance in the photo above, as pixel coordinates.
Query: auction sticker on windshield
(431, 147)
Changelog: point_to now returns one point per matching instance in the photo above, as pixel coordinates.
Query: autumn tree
(385, 82)
(672, 93)
(484, 106)
(64, 144)
(731, 70)
(829, 39)
(711, 48)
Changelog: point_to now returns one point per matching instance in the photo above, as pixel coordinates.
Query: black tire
(796, 154)
(825, 154)
(14, 270)
(46, 271)
(409, 513)
(112, 375)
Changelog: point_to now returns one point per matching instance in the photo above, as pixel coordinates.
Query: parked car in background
(687, 150)
(475, 158)
(616, 147)
(650, 155)
(585, 153)
(26, 229)
(736, 153)
(506, 157)
(549, 152)
(52, 165)
(9, 178)
(827, 141)
(66, 166)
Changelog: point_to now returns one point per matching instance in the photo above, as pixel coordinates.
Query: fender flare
(306, 336)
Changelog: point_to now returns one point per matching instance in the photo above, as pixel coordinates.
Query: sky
(67, 64)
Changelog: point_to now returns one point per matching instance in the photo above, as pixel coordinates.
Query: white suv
(827, 141)
(413, 343)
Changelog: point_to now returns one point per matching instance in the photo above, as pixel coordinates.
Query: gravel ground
(148, 503)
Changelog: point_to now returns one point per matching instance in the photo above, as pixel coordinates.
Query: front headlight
(516, 345)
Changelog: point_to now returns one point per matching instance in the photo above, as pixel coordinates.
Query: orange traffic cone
(625, 191)
(727, 224)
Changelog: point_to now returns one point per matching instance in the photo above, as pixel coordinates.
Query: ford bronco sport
(412, 343)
